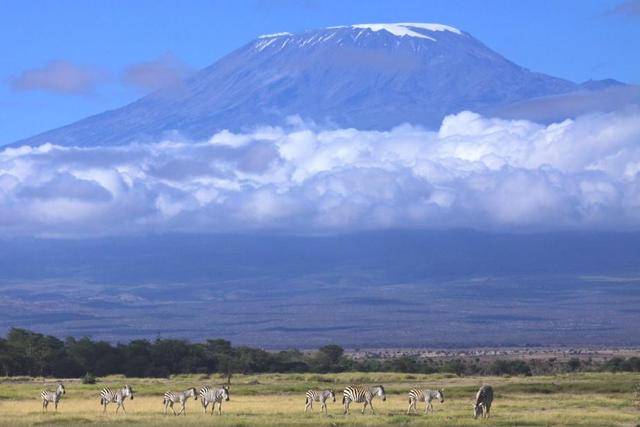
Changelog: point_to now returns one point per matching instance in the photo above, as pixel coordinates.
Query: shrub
(89, 378)
(510, 367)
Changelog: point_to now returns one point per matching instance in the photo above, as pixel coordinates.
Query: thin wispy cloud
(477, 172)
(629, 8)
(60, 76)
(164, 71)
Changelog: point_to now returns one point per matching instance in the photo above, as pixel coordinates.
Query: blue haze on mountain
(379, 289)
(364, 77)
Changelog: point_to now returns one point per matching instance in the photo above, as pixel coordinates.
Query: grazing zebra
(484, 397)
(418, 395)
(171, 397)
(52, 396)
(118, 397)
(213, 395)
(362, 395)
(318, 396)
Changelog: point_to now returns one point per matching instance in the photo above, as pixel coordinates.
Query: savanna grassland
(594, 399)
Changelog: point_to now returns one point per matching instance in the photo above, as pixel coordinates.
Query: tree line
(24, 352)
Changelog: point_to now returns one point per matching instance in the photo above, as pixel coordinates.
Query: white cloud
(165, 71)
(473, 172)
(60, 76)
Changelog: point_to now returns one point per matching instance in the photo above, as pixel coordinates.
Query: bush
(510, 367)
(89, 378)
(573, 365)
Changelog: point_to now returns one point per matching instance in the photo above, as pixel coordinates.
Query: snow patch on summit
(405, 29)
(268, 36)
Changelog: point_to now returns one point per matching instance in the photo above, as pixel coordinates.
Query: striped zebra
(419, 395)
(319, 396)
(116, 396)
(171, 397)
(484, 398)
(362, 395)
(213, 395)
(52, 396)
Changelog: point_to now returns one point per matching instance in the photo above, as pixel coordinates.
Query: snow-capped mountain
(368, 76)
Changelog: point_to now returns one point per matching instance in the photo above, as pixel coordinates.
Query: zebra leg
(409, 408)
(182, 410)
(220, 408)
(213, 407)
(123, 410)
(55, 405)
(44, 406)
(323, 408)
(371, 406)
(173, 409)
(364, 407)
(346, 408)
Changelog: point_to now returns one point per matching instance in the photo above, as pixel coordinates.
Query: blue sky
(114, 43)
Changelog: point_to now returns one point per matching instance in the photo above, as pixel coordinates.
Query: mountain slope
(370, 76)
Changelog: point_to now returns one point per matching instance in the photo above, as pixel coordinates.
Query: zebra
(52, 396)
(318, 396)
(482, 406)
(118, 397)
(418, 395)
(171, 397)
(213, 396)
(362, 395)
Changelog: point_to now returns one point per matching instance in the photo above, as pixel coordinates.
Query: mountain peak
(400, 29)
(408, 29)
(402, 32)
(366, 76)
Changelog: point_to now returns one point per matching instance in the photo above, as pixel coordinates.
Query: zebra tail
(343, 399)
(102, 400)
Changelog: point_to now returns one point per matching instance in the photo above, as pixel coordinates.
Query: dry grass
(585, 399)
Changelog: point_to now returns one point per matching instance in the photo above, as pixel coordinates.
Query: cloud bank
(478, 172)
(60, 76)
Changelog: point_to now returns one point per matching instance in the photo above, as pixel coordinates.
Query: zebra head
(225, 393)
(193, 393)
(379, 391)
(477, 410)
(332, 394)
(127, 391)
(60, 389)
(440, 395)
